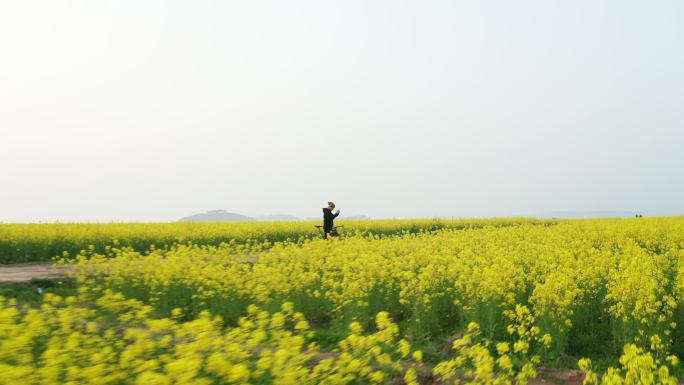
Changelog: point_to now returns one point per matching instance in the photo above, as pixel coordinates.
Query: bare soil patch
(554, 376)
(24, 273)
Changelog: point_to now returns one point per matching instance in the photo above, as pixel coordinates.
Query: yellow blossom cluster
(476, 364)
(100, 337)
(637, 367)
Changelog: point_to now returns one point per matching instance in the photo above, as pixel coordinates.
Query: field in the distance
(476, 301)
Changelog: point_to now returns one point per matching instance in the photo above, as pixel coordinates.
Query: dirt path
(553, 376)
(24, 273)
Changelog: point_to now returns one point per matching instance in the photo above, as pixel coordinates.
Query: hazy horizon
(152, 111)
(357, 216)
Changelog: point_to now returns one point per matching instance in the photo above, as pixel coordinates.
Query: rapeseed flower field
(40, 242)
(487, 303)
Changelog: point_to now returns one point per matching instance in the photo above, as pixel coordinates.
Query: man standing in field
(328, 218)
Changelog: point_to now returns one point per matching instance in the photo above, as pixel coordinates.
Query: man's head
(331, 205)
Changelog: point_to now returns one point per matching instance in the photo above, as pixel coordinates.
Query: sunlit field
(388, 302)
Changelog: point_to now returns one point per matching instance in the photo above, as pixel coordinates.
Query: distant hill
(224, 216)
(217, 216)
(342, 217)
(277, 217)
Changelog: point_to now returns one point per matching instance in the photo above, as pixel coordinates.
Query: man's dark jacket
(328, 218)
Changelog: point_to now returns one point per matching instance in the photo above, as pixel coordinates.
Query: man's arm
(336, 214)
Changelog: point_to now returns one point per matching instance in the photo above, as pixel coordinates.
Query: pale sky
(155, 110)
